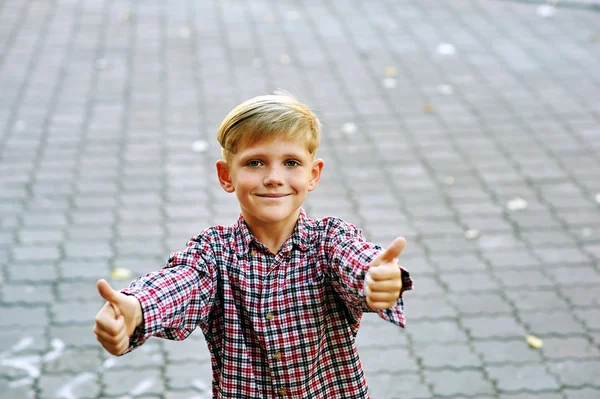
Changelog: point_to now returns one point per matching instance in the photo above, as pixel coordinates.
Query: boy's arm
(176, 299)
(350, 255)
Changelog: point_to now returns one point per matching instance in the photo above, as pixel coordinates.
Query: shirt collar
(302, 236)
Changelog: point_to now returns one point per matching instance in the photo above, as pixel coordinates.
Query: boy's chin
(275, 215)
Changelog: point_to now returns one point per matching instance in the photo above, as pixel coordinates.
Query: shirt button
(252, 253)
(277, 355)
(282, 391)
(269, 316)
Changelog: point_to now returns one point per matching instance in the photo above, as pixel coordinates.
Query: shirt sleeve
(177, 298)
(349, 255)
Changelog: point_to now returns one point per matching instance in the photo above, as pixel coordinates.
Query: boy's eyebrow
(261, 154)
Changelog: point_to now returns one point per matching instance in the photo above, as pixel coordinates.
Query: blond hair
(267, 118)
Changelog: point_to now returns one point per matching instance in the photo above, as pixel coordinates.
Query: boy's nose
(273, 178)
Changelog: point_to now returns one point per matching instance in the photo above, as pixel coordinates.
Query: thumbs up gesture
(117, 319)
(384, 278)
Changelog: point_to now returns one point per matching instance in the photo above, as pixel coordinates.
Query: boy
(279, 296)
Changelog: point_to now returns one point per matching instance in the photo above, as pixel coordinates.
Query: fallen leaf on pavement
(445, 89)
(121, 273)
(446, 49)
(546, 11)
(389, 83)
(199, 146)
(534, 341)
(516, 204)
(472, 234)
(428, 108)
(349, 128)
(390, 71)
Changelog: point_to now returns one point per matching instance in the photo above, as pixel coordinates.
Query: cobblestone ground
(469, 126)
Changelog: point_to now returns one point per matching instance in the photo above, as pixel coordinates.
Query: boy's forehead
(296, 145)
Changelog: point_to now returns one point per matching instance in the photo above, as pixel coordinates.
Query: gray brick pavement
(102, 103)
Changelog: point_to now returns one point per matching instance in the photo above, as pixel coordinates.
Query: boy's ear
(224, 176)
(315, 174)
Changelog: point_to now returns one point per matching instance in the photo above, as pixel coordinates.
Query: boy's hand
(117, 319)
(384, 278)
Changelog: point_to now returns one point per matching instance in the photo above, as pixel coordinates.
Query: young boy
(279, 296)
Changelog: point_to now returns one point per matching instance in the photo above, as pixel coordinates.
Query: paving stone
(588, 297)
(195, 348)
(493, 327)
(72, 269)
(569, 347)
(87, 250)
(562, 256)
(480, 303)
(189, 375)
(387, 386)
(23, 316)
(526, 278)
(392, 360)
(469, 282)
(585, 393)
(591, 318)
(537, 395)
(459, 383)
(187, 394)
(524, 377)
(83, 385)
(431, 286)
(75, 311)
(515, 259)
(13, 341)
(551, 323)
(423, 307)
(41, 236)
(574, 374)
(451, 262)
(27, 293)
(29, 254)
(575, 275)
(439, 331)
(124, 382)
(511, 351)
(74, 361)
(78, 336)
(373, 332)
(540, 299)
(151, 354)
(448, 355)
(20, 392)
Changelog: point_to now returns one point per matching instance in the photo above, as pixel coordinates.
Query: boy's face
(271, 179)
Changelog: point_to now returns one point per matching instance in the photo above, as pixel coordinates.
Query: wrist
(139, 316)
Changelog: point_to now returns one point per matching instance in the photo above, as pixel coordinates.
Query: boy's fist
(117, 319)
(384, 278)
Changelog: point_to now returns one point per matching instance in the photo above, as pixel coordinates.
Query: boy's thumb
(391, 252)
(107, 292)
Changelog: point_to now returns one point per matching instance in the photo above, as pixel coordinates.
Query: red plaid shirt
(276, 325)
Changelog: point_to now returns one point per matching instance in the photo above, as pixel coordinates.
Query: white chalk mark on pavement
(66, 391)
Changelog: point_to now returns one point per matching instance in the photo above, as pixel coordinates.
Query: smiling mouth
(272, 195)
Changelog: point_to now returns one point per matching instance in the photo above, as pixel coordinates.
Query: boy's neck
(272, 235)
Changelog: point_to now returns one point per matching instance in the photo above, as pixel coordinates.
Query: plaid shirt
(276, 325)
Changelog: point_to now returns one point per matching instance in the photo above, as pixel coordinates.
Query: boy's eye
(254, 164)
(291, 163)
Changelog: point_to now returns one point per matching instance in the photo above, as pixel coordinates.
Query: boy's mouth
(272, 195)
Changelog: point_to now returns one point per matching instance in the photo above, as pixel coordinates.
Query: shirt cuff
(395, 314)
(149, 326)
